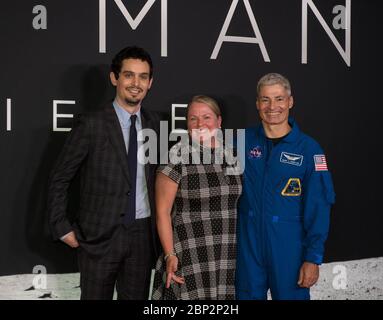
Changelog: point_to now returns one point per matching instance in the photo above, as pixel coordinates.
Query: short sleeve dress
(204, 231)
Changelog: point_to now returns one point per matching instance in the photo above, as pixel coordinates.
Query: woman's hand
(171, 268)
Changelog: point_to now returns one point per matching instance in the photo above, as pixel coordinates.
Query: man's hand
(308, 274)
(71, 240)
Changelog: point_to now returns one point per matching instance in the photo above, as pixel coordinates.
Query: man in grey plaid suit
(114, 231)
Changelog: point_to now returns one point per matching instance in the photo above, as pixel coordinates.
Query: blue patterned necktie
(132, 163)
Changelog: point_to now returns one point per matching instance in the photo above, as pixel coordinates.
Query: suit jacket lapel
(117, 139)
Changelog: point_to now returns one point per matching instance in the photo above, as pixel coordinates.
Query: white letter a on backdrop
(223, 37)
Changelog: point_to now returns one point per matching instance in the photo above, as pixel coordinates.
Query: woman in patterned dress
(196, 212)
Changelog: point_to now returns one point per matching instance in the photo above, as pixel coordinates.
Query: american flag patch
(320, 162)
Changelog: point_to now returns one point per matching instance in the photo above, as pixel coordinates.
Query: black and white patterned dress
(204, 232)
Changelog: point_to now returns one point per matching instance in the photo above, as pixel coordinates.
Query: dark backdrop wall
(62, 59)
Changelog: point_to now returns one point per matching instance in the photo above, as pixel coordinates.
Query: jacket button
(128, 193)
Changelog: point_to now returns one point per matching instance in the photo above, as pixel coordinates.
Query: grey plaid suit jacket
(95, 147)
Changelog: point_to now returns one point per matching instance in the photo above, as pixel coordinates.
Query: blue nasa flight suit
(283, 216)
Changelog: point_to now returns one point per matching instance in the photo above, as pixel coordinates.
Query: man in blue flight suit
(283, 216)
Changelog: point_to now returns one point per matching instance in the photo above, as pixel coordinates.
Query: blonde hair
(210, 102)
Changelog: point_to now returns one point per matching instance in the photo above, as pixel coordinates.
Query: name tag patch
(291, 158)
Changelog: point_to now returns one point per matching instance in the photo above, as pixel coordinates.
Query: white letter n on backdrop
(223, 37)
(134, 22)
(346, 54)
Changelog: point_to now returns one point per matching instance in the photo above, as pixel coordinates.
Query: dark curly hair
(130, 53)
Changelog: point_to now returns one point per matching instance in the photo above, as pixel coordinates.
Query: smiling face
(132, 84)
(274, 104)
(202, 123)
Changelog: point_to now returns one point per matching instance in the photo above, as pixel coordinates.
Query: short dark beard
(132, 103)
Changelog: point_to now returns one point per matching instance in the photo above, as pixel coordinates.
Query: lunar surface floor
(346, 280)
